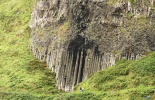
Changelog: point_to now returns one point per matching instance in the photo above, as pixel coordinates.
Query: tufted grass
(20, 72)
(24, 77)
(127, 80)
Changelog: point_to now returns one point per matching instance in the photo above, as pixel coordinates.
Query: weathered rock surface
(79, 37)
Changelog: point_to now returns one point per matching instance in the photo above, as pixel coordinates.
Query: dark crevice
(64, 81)
(59, 4)
(96, 51)
(64, 67)
(78, 67)
(74, 62)
(83, 65)
(76, 43)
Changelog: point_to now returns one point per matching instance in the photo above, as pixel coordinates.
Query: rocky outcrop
(80, 37)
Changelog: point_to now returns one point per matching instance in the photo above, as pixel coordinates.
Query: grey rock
(80, 37)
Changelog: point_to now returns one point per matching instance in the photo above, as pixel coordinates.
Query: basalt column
(72, 65)
(80, 37)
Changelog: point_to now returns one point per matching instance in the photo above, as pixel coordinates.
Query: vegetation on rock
(20, 72)
(24, 77)
(131, 80)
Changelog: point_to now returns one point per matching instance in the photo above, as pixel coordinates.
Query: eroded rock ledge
(79, 37)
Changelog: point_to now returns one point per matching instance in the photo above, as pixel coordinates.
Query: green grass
(20, 72)
(113, 2)
(22, 77)
(130, 80)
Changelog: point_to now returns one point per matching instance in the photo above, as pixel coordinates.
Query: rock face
(80, 37)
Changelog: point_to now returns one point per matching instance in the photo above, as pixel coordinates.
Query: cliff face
(79, 37)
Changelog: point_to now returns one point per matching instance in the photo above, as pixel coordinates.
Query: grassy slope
(22, 76)
(127, 80)
(19, 70)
